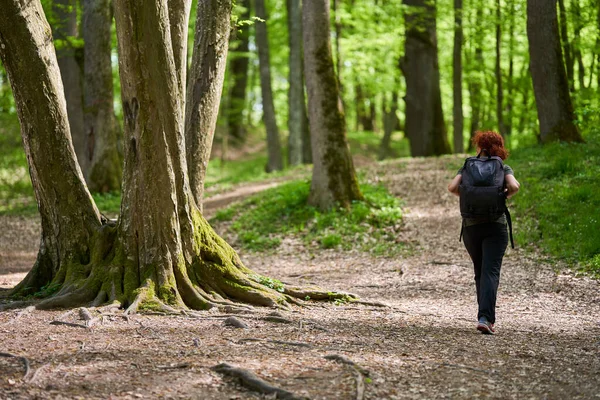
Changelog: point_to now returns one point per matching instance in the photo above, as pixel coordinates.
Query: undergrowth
(558, 207)
(263, 220)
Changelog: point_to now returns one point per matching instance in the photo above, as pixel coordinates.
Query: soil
(423, 346)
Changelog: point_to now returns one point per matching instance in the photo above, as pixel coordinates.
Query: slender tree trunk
(390, 121)
(179, 18)
(71, 71)
(338, 48)
(511, 68)
(360, 107)
(275, 162)
(306, 139)
(334, 180)
(499, 93)
(566, 44)
(425, 125)
(550, 85)
(104, 160)
(297, 107)
(457, 111)
(474, 83)
(205, 86)
(576, 47)
(239, 70)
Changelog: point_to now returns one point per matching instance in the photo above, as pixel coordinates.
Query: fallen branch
(71, 324)
(174, 366)
(253, 382)
(24, 360)
(359, 372)
(284, 342)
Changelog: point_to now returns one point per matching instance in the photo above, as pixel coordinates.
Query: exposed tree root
(71, 324)
(253, 382)
(24, 360)
(359, 372)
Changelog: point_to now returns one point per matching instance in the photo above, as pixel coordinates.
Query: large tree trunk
(457, 111)
(550, 85)
(334, 180)
(425, 125)
(162, 254)
(498, 71)
(104, 160)
(69, 218)
(275, 161)
(65, 12)
(297, 106)
(213, 25)
(239, 70)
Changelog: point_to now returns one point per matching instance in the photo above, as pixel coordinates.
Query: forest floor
(423, 346)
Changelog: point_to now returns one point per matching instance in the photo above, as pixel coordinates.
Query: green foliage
(269, 282)
(558, 207)
(108, 203)
(262, 220)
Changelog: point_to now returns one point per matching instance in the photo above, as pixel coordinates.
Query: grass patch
(558, 207)
(262, 220)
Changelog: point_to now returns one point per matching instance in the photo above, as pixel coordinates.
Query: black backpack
(482, 190)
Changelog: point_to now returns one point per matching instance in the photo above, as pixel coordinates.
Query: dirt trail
(424, 346)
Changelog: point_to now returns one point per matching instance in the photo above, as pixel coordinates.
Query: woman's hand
(512, 185)
(453, 186)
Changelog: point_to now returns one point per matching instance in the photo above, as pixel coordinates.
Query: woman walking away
(483, 184)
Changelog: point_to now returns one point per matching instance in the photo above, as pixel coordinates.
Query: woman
(486, 238)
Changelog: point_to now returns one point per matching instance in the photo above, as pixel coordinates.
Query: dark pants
(486, 244)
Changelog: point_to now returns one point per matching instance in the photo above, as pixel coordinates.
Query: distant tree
(550, 84)
(103, 170)
(457, 110)
(275, 160)
(70, 62)
(498, 72)
(239, 71)
(390, 122)
(474, 81)
(297, 120)
(161, 254)
(567, 48)
(425, 127)
(334, 180)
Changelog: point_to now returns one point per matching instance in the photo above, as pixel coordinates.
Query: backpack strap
(509, 221)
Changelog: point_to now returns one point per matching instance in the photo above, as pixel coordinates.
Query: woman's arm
(453, 186)
(512, 185)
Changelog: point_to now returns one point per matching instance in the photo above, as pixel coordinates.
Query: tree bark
(275, 160)
(213, 26)
(179, 19)
(550, 85)
(297, 119)
(239, 69)
(162, 254)
(567, 47)
(104, 159)
(425, 125)
(511, 68)
(576, 46)
(498, 71)
(457, 111)
(334, 180)
(69, 217)
(65, 12)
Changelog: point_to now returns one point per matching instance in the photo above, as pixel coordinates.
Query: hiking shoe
(486, 327)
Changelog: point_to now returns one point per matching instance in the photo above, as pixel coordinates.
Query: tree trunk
(425, 125)
(71, 71)
(338, 49)
(162, 254)
(334, 180)
(576, 47)
(498, 71)
(179, 18)
(550, 85)
(239, 70)
(205, 86)
(69, 218)
(104, 160)
(511, 69)
(390, 121)
(474, 83)
(567, 48)
(275, 161)
(297, 107)
(457, 111)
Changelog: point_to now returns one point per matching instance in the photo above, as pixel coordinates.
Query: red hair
(490, 142)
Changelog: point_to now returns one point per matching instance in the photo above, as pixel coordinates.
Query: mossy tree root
(207, 274)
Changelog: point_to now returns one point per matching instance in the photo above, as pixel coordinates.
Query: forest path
(424, 346)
